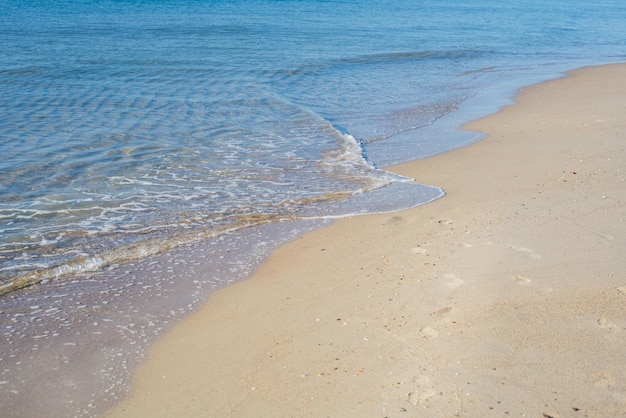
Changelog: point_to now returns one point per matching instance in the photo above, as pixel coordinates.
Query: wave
(128, 253)
(329, 206)
(377, 191)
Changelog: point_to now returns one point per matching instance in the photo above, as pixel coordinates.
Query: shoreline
(505, 296)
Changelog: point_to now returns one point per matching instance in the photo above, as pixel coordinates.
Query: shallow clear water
(127, 124)
(152, 131)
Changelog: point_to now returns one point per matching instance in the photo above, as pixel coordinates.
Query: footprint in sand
(525, 281)
(420, 248)
(468, 245)
(429, 332)
(530, 252)
(423, 391)
(607, 325)
(442, 315)
(521, 280)
(454, 281)
(607, 237)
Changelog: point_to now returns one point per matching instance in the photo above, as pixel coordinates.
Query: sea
(153, 151)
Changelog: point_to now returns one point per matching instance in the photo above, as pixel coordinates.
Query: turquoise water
(140, 133)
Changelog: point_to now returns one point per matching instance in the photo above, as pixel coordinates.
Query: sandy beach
(507, 297)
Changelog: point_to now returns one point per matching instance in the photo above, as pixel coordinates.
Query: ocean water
(153, 151)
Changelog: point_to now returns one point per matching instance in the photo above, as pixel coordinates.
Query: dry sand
(505, 298)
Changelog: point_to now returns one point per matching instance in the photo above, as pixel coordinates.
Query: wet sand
(506, 297)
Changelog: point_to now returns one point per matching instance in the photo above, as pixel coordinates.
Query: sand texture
(507, 297)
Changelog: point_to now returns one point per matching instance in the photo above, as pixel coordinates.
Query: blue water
(134, 129)
(126, 125)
